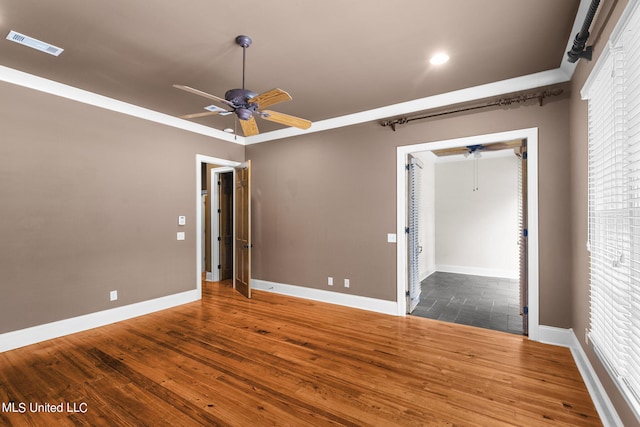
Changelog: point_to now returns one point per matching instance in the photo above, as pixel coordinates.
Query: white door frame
(223, 164)
(531, 135)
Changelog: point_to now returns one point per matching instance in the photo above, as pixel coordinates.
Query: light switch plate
(180, 235)
(392, 238)
(182, 220)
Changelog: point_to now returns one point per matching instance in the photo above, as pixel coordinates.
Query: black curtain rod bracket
(579, 50)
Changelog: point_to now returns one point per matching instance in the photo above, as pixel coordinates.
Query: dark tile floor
(485, 302)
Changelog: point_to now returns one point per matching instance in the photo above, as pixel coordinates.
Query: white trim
(200, 159)
(347, 300)
(567, 338)
(30, 81)
(531, 134)
(15, 339)
(427, 273)
(555, 336)
(478, 271)
(531, 81)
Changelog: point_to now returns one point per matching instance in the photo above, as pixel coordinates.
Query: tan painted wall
(89, 203)
(579, 198)
(324, 202)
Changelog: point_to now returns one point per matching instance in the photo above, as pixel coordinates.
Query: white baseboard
(36, 334)
(567, 338)
(478, 271)
(427, 273)
(354, 301)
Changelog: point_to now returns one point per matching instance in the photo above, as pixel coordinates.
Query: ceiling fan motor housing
(240, 98)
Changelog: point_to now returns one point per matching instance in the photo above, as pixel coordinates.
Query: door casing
(222, 163)
(531, 135)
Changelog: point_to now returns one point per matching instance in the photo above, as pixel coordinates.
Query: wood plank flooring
(277, 360)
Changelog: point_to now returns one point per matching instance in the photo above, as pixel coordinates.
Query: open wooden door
(242, 276)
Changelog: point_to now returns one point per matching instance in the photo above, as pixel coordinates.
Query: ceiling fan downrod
(245, 42)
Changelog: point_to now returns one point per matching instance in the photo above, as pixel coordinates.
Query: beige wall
(325, 202)
(89, 202)
(579, 197)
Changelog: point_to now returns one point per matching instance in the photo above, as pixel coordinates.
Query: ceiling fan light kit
(245, 103)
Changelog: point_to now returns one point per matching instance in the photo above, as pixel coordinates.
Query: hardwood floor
(277, 360)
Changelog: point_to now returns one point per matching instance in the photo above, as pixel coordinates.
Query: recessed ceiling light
(34, 43)
(439, 58)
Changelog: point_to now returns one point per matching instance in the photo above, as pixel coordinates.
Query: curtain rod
(578, 50)
(540, 96)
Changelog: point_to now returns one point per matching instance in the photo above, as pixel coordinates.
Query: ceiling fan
(245, 103)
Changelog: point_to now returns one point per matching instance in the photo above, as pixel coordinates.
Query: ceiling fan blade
(194, 115)
(285, 119)
(249, 127)
(270, 97)
(201, 93)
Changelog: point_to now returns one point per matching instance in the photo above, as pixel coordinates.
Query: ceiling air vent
(34, 43)
(216, 109)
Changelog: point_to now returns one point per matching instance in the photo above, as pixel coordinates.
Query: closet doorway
(528, 257)
(218, 194)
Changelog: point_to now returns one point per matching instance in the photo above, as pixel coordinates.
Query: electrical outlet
(113, 295)
(346, 283)
(330, 281)
(180, 235)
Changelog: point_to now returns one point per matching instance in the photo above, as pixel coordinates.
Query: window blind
(614, 209)
(415, 180)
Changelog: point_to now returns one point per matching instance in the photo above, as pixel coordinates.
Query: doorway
(224, 213)
(468, 265)
(530, 210)
(208, 249)
(218, 222)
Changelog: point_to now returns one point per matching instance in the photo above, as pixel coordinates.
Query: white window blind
(614, 209)
(415, 180)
